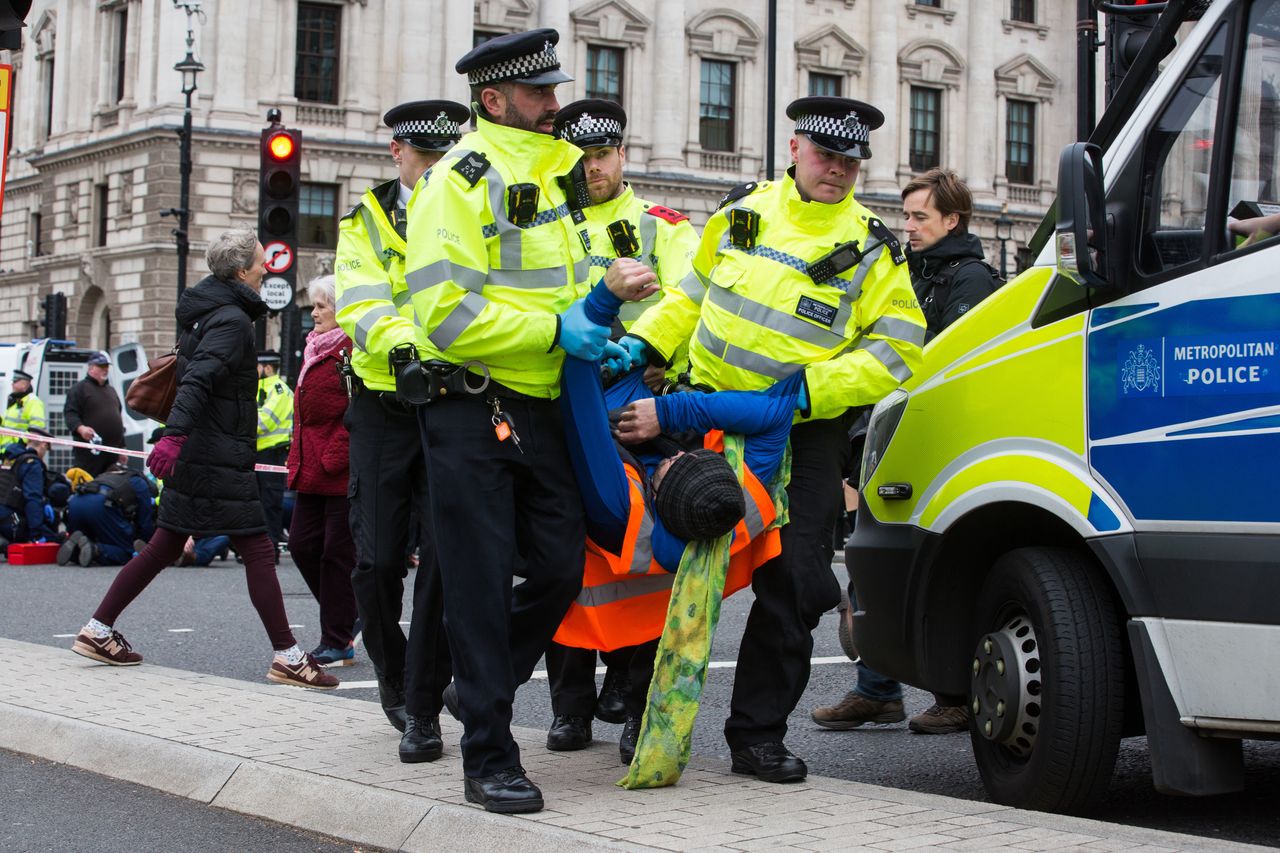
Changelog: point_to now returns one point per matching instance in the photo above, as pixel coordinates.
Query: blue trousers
(871, 684)
(111, 532)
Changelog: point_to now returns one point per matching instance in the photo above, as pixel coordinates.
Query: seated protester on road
(26, 508)
(645, 503)
(948, 270)
(109, 519)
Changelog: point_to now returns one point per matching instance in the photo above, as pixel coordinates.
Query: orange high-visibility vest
(624, 596)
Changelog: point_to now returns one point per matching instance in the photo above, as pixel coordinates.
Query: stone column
(880, 173)
(976, 153)
(669, 65)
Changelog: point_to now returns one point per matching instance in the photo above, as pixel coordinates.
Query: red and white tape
(119, 451)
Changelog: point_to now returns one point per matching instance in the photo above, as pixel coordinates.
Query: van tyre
(1047, 681)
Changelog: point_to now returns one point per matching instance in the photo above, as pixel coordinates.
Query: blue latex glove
(580, 337)
(616, 359)
(636, 348)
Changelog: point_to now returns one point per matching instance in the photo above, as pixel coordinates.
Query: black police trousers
(493, 504)
(571, 675)
(792, 591)
(388, 493)
(271, 489)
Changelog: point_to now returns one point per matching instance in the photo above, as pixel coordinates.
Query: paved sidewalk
(329, 764)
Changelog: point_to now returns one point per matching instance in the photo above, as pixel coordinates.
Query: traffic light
(1128, 28)
(280, 182)
(12, 15)
(55, 316)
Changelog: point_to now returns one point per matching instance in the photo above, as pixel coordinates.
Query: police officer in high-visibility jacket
(25, 410)
(388, 487)
(620, 225)
(275, 431)
(795, 275)
(497, 255)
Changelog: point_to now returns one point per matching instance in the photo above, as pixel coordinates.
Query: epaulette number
(471, 166)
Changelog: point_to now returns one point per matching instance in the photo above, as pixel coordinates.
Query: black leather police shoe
(421, 741)
(770, 762)
(568, 733)
(391, 695)
(609, 707)
(505, 792)
(627, 740)
(450, 699)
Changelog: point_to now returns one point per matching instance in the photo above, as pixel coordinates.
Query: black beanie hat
(699, 497)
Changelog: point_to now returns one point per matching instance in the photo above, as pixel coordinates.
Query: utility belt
(420, 383)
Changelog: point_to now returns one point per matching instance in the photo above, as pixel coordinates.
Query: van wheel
(1047, 687)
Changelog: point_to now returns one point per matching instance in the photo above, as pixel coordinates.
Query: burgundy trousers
(321, 544)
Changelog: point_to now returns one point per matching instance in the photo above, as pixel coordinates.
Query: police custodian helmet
(427, 125)
(839, 125)
(591, 123)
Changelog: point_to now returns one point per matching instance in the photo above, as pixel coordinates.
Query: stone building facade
(982, 86)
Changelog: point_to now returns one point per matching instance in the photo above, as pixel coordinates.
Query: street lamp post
(189, 67)
(1004, 233)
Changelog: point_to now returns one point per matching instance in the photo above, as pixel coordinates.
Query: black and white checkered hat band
(850, 127)
(513, 69)
(588, 125)
(442, 125)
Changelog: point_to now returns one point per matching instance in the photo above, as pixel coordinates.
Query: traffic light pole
(184, 193)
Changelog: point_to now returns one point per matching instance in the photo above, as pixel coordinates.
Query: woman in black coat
(206, 459)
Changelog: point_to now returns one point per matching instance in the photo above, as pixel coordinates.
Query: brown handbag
(152, 393)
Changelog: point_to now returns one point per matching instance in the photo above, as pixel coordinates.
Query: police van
(55, 366)
(1070, 516)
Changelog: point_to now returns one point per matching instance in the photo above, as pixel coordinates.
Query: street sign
(276, 292)
(279, 256)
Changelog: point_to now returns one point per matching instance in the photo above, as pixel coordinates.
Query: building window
(716, 105)
(318, 215)
(926, 128)
(479, 37)
(315, 76)
(34, 247)
(1023, 11)
(100, 214)
(47, 128)
(828, 85)
(1020, 158)
(122, 43)
(604, 73)
(933, 4)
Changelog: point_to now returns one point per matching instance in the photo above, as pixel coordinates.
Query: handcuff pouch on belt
(419, 383)
(622, 234)
(844, 256)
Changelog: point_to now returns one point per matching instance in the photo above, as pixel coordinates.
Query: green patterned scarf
(680, 669)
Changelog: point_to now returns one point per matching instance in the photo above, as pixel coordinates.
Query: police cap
(268, 357)
(528, 57)
(839, 125)
(591, 123)
(427, 125)
(22, 374)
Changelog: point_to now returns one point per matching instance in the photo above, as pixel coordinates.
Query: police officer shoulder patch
(352, 212)
(471, 166)
(666, 214)
(740, 191)
(882, 233)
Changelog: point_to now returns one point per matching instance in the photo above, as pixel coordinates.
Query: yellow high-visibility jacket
(757, 316)
(488, 288)
(25, 413)
(371, 298)
(666, 244)
(275, 412)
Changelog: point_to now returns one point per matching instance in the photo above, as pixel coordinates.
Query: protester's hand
(639, 422)
(85, 432)
(636, 348)
(164, 456)
(616, 359)
(630, 280)
(655, 377)
(580, 337)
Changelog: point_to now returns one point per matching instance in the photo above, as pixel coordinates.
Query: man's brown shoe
(307, 674)
(941, 720)
(854, 710)
(113, 649)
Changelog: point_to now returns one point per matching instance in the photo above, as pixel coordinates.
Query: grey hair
(231, 252)
(322, 286)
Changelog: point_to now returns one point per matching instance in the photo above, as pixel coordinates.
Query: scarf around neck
(319, 346)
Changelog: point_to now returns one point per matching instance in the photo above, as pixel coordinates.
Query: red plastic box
(32, 553)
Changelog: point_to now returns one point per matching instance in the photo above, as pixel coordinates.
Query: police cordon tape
(119, 451)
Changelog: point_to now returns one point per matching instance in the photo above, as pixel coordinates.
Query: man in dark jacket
(93, 412)
(948, 270)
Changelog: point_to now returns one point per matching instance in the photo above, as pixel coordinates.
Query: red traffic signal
(281, 145)
(281, 163)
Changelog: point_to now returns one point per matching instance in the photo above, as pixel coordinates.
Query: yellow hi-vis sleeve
(364, 292)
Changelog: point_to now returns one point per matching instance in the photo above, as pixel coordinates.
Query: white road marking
(62, 636)
(542, 673)
(291, 625)
(181, 630)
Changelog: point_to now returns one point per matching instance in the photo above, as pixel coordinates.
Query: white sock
(292, 655)
(97, 630)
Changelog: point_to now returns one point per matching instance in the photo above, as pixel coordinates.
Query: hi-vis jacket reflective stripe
(25, 414)
(757, 317)
(484, 287)
(665, 247)
(275, 412)
(624, 596)
(372, 299)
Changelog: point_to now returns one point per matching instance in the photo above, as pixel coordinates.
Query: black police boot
(568, 732)
(627, 740)
(505, 792)
(609, 707)
(770, 762)
(392, 697)
(421, 741)
(450, 699)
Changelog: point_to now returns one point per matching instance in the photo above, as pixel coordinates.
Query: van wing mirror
(1081, 239)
